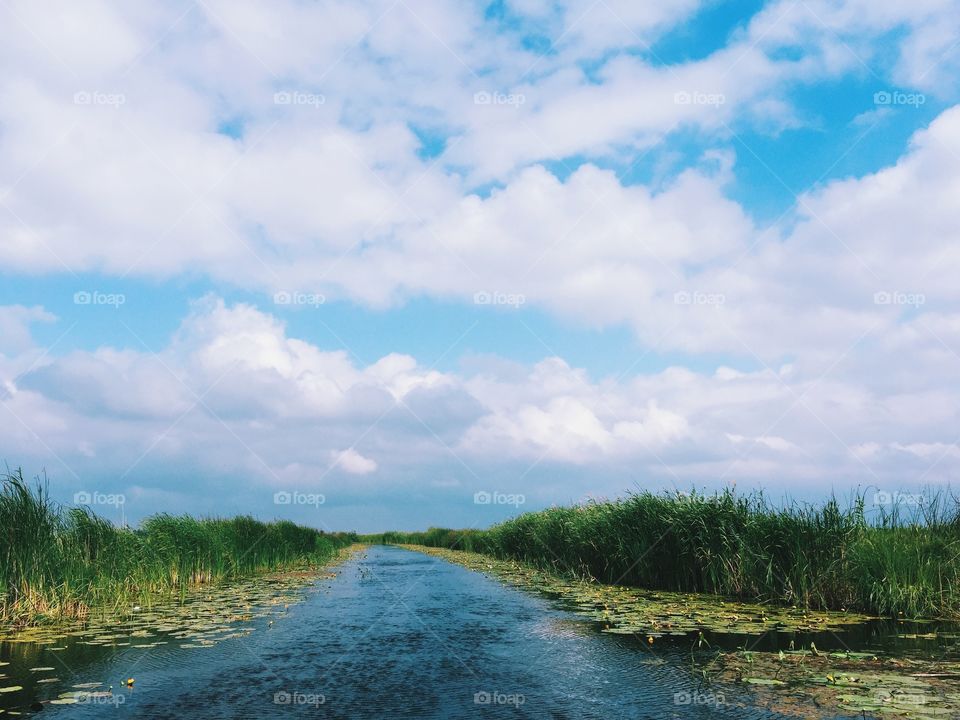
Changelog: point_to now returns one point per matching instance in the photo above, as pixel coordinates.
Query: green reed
(59, 563)
(903, 560)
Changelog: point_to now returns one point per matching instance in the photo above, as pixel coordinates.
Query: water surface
(396, 634)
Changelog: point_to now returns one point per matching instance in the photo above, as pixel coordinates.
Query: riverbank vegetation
(896, 669)
(896, 560)
(59, 563)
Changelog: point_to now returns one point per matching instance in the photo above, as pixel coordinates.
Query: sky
(391, 264)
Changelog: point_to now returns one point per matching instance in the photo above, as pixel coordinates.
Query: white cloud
(927, 451)
(331, 194)
(112, 162)
(235, 395)
(354, 463)
(852, 32)
(15, 322)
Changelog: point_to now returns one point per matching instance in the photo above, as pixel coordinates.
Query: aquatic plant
(820, 556)
(60, 562)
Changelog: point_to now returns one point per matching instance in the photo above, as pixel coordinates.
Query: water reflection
(396, 634)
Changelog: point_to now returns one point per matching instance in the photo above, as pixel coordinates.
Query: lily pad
(764, 681)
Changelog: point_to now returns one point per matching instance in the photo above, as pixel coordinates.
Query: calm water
(397, 635)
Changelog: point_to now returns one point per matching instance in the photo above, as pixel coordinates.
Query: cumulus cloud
(866, 394)
(129, 138)
(233, 393)
(354, 463)
(15, 327)
(374, 152)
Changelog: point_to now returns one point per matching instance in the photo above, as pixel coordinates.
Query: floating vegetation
(209, 614)
(653, 614)
(804, 682)
(202, 617)
(860, 683)
(899, 561)
(58, 563)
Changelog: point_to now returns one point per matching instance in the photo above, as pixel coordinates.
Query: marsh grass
(893, 562)
(59, 563)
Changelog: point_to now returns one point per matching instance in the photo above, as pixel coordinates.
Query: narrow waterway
(396, 634)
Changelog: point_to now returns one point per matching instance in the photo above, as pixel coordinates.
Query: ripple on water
(427, 639)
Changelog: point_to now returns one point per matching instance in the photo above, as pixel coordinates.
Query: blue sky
(396, 255)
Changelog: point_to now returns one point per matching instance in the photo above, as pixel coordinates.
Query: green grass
(59, 563)
(741, 546)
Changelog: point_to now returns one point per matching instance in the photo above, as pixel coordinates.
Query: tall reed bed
(890, 563)
(57, 562)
